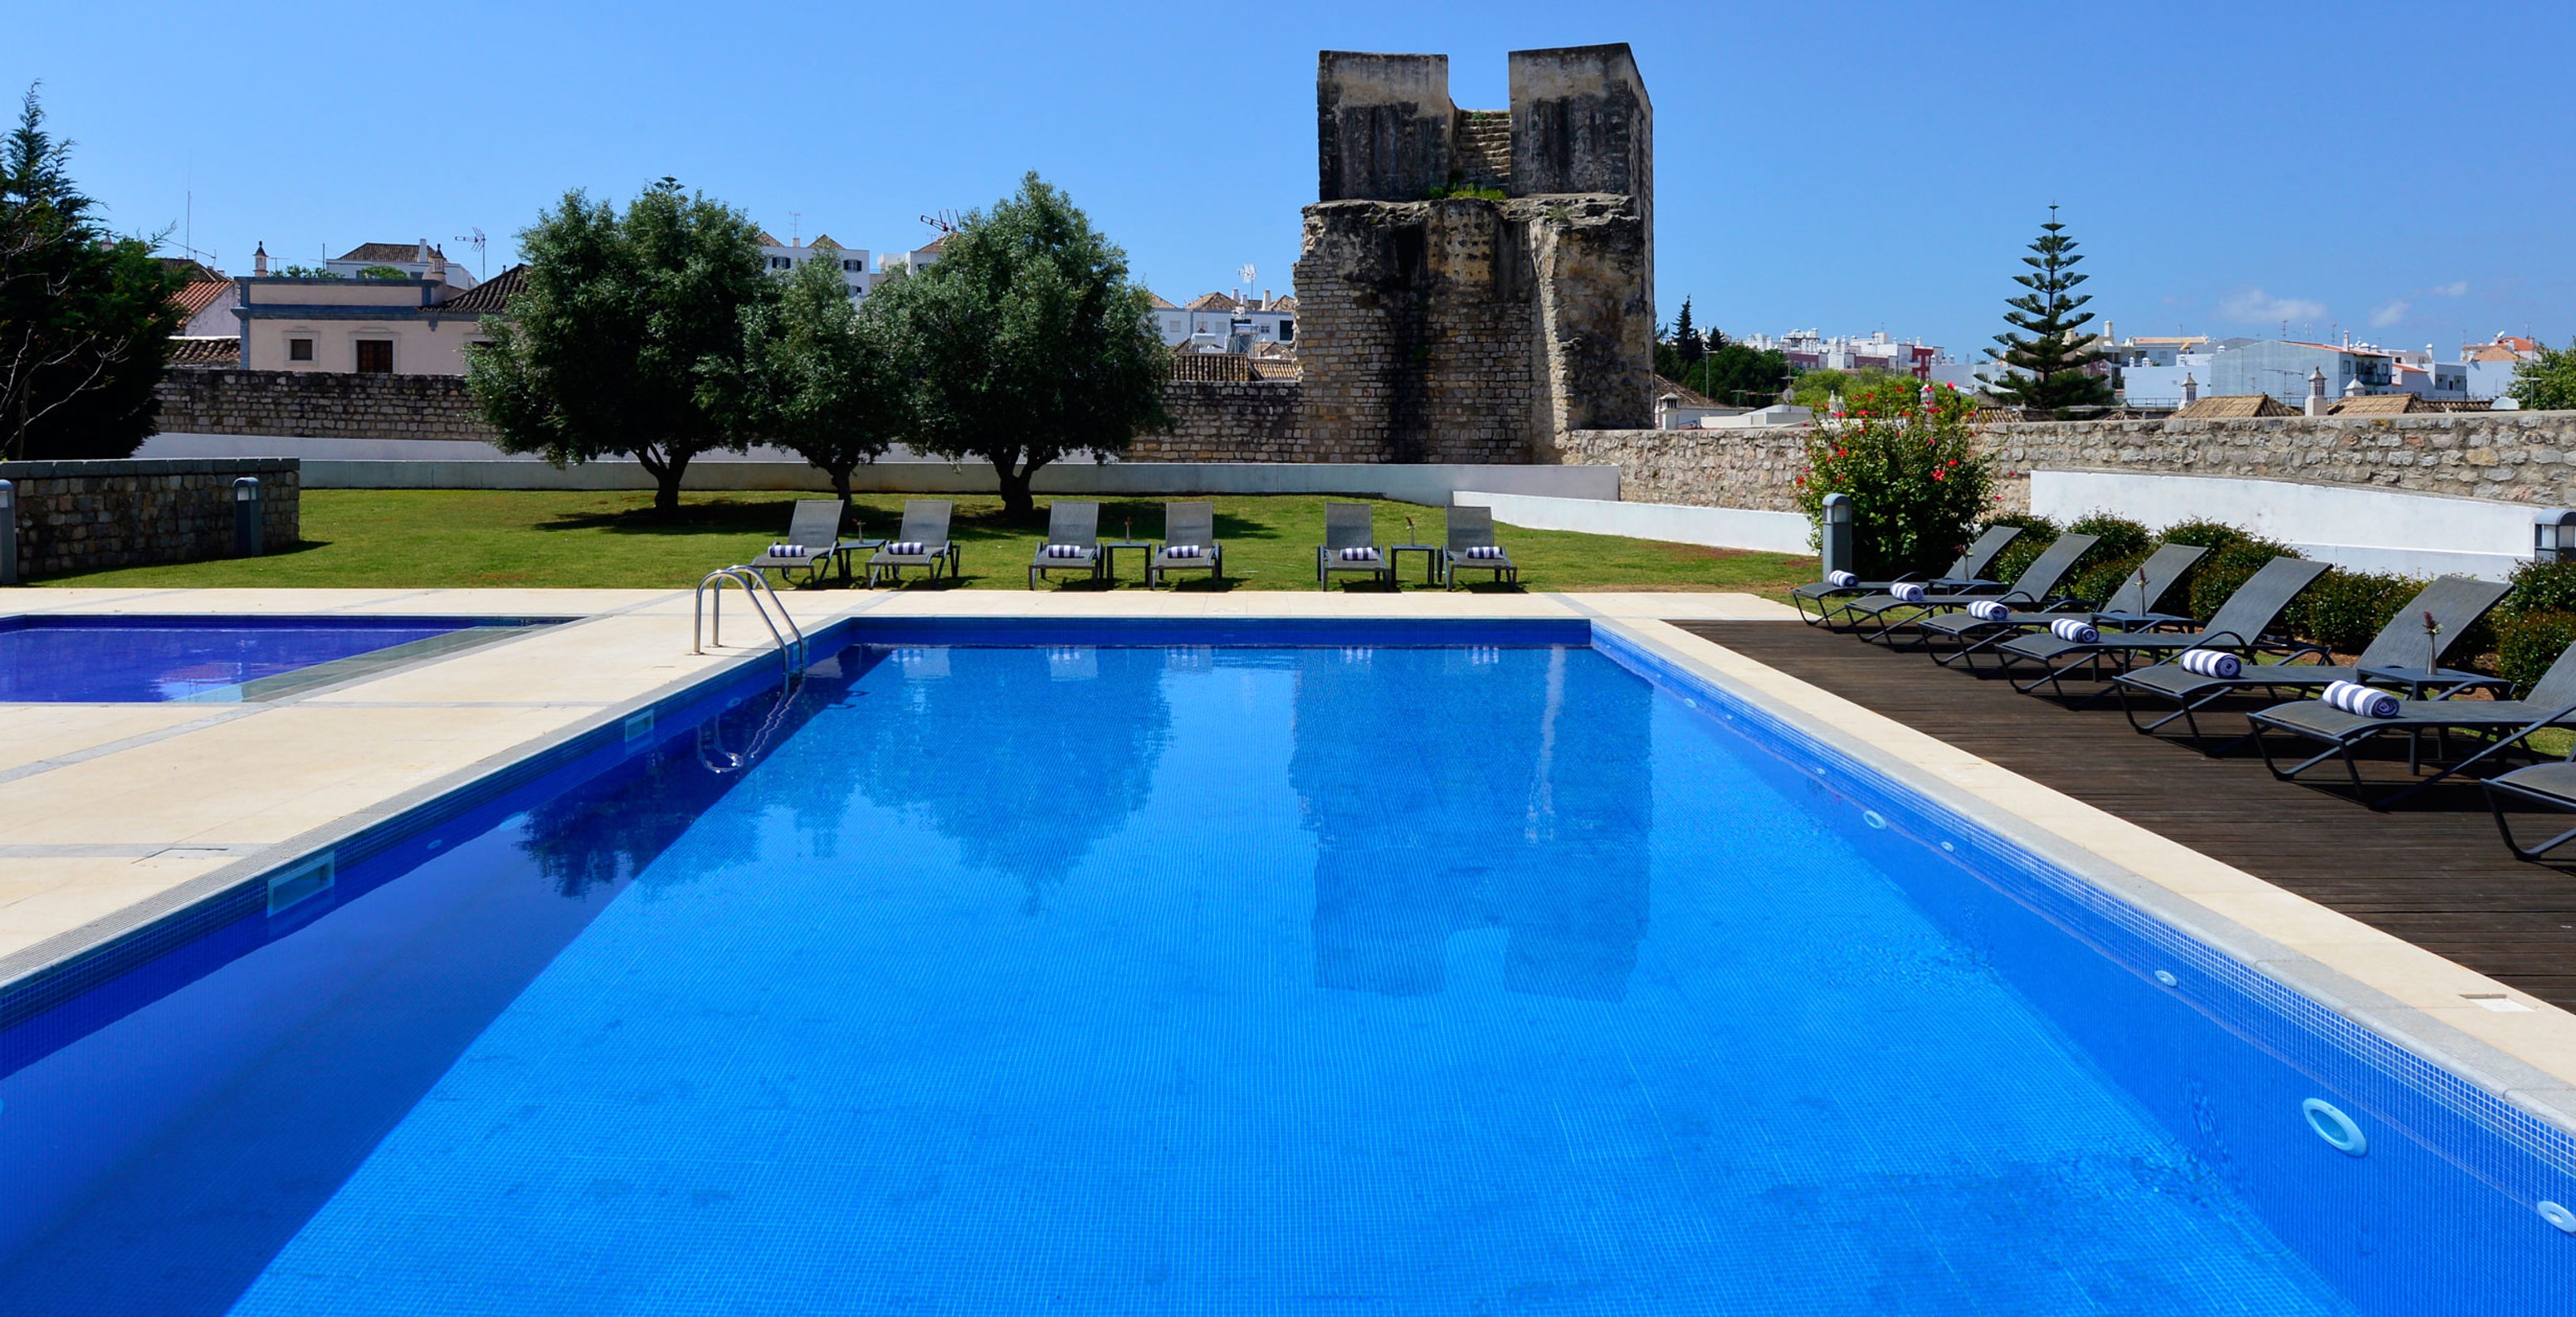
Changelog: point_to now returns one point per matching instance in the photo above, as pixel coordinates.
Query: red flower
(1937, 475)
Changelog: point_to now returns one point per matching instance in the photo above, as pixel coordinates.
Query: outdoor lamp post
(249, 539)
(2553, 533)
(8, 533)
(1836, 542)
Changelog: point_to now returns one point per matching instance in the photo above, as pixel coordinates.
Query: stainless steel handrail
(706, 623)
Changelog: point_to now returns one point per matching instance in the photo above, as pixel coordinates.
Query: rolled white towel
(1066, 551)
(1988, 610)
(1484, 551)
(1359, 555)
(2211, 663)
(2353, 697)
(1907, 593)
(905, 548)
(2075, 630)
(1842, 578)
(789, 551)
(1184, 551)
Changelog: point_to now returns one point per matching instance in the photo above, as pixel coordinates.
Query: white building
(916, 260)
(1223, 322)
(1808, 349)
(784, 258)
(419, 260)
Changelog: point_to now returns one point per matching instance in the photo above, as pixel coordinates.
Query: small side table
(2416, 680)
(1109, 555)
(1430, 561)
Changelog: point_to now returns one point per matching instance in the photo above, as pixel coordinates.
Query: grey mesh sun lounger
(2035, 586)
(1968, 633)
(1187, 526)
(1967, 574)
(1349, 527)
(1473, 528)
(2456, 603)
(925, 536)
(2239, 626)
(2504, 724)
(2551, 786)
(815, 527)
(1072, 525)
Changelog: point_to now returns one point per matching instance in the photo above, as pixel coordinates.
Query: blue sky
(2393, 170)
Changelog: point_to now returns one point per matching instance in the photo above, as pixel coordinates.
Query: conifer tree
(2046, 361)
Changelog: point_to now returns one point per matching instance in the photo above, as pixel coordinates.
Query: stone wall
(80, 516)
(2522, 457)
(1248, 422)
(320, 404)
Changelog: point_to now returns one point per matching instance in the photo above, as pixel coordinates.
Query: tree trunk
(666, 484)
(1017, 503)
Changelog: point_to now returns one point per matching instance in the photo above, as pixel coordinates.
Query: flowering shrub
(1902, 451)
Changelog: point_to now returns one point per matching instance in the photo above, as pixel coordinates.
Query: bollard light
(2553, 534)
(1836, 541)
(8, 533)
(250, 537)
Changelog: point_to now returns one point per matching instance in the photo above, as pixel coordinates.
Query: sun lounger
(2455, 603)
(1964, 576)
(923, 542)
(813, 543)
(1189, 544)
(1350, 545)
(2036, 586)
(2552, 786)
(2239, 626)
(1977, 627)
(1072, 541)
(2503, 724)
(1471, 546)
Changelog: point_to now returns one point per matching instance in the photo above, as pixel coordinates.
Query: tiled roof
(1285, 302)
(768, 241)
(199, 295)
(2234, 405)
(1690, 397)
(1156, 300)
(207, 353)
(490, 297)
(2374, 404)
(389, 253)
(1215, 302)
(188, 268)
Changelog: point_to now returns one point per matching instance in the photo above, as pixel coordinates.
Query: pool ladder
(707, 624)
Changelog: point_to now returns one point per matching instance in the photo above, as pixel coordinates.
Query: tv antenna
(482, 260)
(1246, 273)
(945, 221)
(796, 228)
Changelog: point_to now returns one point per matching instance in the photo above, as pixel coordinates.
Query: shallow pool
(1072, 977)
(149, 659)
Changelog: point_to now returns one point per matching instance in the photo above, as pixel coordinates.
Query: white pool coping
(113, 815)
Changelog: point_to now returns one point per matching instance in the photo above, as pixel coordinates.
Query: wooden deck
(2433, 873)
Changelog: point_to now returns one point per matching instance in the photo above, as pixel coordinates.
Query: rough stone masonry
(1456, 328)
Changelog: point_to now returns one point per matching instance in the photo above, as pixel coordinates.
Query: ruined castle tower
(1435, 327)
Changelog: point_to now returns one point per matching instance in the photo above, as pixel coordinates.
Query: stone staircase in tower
(1481, 148)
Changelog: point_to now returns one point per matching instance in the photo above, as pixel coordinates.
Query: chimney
(2316, 391)
(437, 267)
(1666, 409)
(1265, 299)
(2190, 389)
(259, 262)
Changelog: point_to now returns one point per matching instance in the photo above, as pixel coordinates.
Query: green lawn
(427, 538)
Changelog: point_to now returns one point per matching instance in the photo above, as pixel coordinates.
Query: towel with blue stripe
(1184, 551)
(2353, 697)
(905, 548)
(1067, 551)
(1841, 578)
(1485, 551)
(1988, 610)
(2075, 631)
(789, 551)
(1359, 555)
(2211, 663)
(1908, 593)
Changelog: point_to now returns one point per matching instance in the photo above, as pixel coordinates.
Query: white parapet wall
(2372, 530)
(1429, 484)
(1677, 523)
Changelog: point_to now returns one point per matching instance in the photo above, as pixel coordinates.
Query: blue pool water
(130, 659)
(1096, 979)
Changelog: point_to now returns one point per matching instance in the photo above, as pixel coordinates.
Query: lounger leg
(2495, 806)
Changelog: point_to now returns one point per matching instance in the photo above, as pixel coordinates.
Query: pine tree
(2046, 367)
(1686, 340)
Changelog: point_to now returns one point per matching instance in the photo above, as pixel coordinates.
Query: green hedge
(2344, 610)
(2120, 536)
(2529, 641)
(2036, 532)
(2216, 576)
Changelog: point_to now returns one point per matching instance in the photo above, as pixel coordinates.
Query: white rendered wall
(2375, 530)
(1675, 523)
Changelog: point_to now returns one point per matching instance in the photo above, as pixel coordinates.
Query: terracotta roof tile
(389, 253)
(490, 297)
(205, 353)
(2234, 405)
(199, 295)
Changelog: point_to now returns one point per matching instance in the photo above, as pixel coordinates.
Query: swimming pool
(127, 658)
(1018, 966)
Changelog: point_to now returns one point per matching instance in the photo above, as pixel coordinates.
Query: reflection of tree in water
(606, 833)
(1459, 789)
(1025, 757)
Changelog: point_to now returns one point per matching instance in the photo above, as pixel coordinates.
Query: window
(299, 349)
(1287, 331)
(375, 356)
